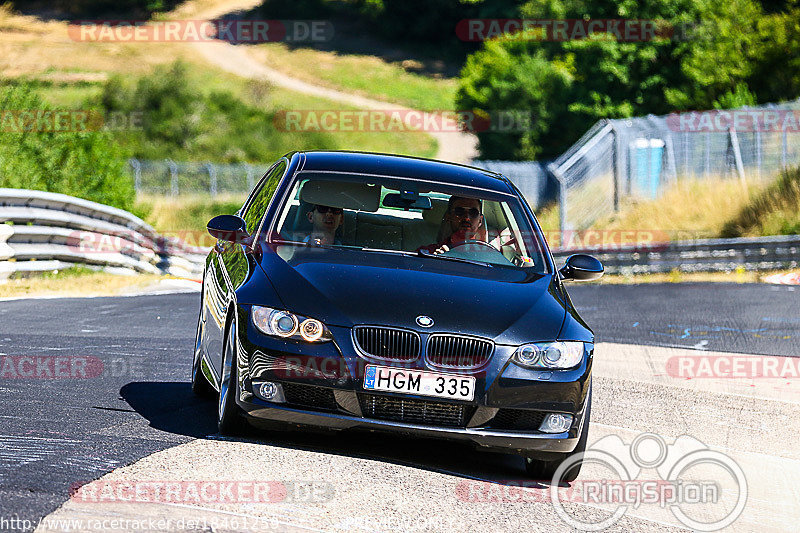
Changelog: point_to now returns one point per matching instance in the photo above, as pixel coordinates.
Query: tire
(545, 470)
(200, 385)
(229, 416)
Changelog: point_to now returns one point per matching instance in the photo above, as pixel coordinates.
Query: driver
(463, 221)
(325, 220)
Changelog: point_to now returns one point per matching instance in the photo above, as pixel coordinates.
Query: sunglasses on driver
(322, 209)
(461, 212)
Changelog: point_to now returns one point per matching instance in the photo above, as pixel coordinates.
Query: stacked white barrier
(44, 231)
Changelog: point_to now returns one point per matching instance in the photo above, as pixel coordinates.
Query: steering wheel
(470, 242)
(486, 252)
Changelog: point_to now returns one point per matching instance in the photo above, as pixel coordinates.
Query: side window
(259, 201)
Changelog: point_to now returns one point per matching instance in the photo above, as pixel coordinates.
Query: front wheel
(229, 416)
(545, 470)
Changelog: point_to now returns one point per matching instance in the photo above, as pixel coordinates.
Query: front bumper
(333, 371)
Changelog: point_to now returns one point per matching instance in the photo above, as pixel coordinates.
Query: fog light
(269, 391)
(556, 423)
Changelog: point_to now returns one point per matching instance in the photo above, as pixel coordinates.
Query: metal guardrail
(706, 255)
(51, 231)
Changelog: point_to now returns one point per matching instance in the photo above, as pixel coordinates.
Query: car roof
(404, 166)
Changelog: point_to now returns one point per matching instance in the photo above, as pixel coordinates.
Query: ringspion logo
(689, 477)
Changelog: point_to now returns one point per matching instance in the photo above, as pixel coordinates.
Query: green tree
(86, 164)
(721, 54)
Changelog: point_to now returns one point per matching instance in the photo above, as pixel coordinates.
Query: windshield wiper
(310, 244)
(425, 253)
(384, 250)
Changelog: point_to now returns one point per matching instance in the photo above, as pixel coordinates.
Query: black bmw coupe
(356, 290)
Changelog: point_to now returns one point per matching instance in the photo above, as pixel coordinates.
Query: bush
(775, 211)
(87, 8)
(721, 54)
(183, 123)
(84, 164)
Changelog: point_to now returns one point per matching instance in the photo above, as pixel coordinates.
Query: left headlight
(549, 355)
(280, 323)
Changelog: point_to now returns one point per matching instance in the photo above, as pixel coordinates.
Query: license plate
(381, 378)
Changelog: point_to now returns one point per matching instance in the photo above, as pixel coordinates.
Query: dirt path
(456, 147)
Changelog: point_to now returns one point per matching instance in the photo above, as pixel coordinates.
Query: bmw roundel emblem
(424, 321)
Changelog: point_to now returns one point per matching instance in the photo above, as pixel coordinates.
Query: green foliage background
(185, 122)
(89, 164)
(87, 8)
(724, 54)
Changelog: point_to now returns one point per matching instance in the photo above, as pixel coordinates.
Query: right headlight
(280, 323)
(559, 355)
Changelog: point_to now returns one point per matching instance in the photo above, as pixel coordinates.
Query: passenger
(325, 220)
(463, 221)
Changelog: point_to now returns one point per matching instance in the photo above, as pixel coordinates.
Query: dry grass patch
(738, 276)
(690, 209)
(775, 211)
(76, 282)
(185, 213)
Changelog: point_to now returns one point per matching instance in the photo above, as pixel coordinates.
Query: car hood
(348, 287)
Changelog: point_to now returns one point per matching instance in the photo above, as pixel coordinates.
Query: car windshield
(406, 216)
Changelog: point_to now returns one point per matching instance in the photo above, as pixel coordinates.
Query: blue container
(647, 157)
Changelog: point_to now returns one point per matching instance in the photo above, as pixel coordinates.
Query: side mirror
(229, 228)
(580, 267)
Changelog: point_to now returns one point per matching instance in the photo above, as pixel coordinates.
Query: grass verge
(360, 74)
(775, 211)
(184, 213)
(689, 209)
(76, 282)
(739, 276)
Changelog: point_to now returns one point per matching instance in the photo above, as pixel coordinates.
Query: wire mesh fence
(641, 157)
(615, 160)
(171, 178)
(530, 177)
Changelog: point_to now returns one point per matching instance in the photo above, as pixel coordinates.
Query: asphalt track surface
(57, 433)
